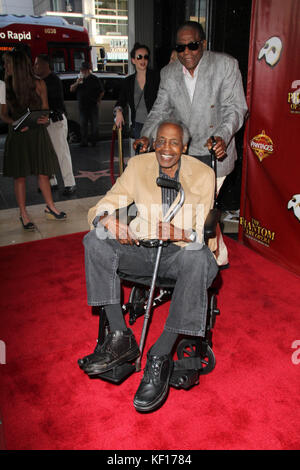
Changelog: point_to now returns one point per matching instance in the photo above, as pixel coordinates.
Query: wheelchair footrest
(184, 378)
(118, 374)
(186, 372)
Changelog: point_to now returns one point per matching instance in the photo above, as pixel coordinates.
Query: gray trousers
(193, 271)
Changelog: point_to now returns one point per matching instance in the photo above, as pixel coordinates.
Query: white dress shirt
(190, 80)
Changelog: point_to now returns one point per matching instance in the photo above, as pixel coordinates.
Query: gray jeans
(193, 271)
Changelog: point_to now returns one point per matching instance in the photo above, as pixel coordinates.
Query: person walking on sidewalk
(89, 90)
(58, 127)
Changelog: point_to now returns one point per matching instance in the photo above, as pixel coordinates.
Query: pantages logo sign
(262, 145)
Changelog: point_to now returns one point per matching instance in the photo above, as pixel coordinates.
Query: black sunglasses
(140, 57)
(192, 46)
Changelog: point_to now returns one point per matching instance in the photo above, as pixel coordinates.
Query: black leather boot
(154, 386)
(117, 348)
(90, 358)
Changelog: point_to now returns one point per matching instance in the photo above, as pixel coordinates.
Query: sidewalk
(91, 168)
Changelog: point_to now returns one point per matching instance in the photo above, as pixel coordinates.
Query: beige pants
(58, 132)
(222, 256)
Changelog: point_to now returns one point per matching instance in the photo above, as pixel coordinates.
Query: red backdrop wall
(270, 197)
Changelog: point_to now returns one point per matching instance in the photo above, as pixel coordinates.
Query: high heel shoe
(29, 227)
(53, 216)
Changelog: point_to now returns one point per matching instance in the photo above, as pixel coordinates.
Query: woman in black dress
(28, 151)
(139, 91)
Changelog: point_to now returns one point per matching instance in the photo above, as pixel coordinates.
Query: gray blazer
(218, 106)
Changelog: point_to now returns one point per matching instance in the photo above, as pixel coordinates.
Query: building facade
(107, 25)
(15, 7)
(114, 26)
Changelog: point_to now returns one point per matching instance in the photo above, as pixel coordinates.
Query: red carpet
(250, 401)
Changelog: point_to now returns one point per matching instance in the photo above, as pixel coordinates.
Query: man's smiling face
(169, 147)
(190, 59)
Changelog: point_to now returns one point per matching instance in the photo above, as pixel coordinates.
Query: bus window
(78, 57)
(58, 60)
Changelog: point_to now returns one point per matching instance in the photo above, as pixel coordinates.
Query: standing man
(204, 91)
(89, 90)
(58, 127)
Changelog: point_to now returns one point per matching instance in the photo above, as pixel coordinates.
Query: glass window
(79, 57)
(55, 5)
(112, 7)
(196, 11)
(112, 26)
(58, 61)
(107, 4)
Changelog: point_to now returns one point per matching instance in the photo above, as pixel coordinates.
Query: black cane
(162, 182)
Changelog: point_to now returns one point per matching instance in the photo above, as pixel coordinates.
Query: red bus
(67, 45)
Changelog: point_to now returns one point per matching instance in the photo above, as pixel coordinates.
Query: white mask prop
(271, 51)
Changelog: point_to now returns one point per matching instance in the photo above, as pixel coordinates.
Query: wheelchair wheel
(192, 348)
(137, 301)
(213, 311)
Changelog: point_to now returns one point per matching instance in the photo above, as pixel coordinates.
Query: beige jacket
(138, 184)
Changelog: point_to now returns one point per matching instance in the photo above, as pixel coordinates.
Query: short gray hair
(185, 131)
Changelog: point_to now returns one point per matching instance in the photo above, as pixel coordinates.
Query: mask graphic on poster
(271, 51)
(294, 204)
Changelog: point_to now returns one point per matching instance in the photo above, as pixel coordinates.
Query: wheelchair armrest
(129, 211)
(210, 225)
(211, 222)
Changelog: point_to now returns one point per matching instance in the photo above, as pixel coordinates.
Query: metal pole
(153, 282)
(121, 164)
(149, 305)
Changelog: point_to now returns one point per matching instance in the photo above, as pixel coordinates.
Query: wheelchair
(195, 356)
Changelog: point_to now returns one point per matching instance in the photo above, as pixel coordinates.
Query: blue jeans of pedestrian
(193, 271)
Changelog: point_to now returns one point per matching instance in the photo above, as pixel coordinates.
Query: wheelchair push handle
(213, 154)
(214, 165)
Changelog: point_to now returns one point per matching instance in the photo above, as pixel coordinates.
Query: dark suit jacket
(150, 91)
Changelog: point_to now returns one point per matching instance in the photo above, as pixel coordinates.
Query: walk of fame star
(93, 175)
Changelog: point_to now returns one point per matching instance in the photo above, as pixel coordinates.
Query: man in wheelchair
(113, 247)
